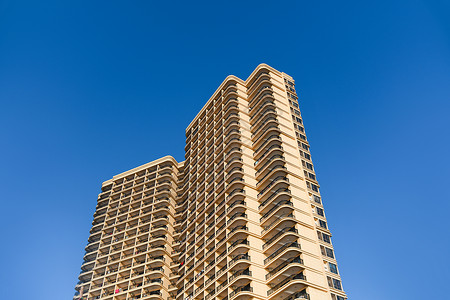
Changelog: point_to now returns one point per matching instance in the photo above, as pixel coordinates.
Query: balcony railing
(278, 204)
(288, 215)
(284, 264)
(240, 273)
(279, 250)
(285, 281)
(245, 288)
(274, 181)
(280, 190)
(238, 242)
(298, 295)
(243, 256)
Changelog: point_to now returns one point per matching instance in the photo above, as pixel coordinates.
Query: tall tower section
(241, 218)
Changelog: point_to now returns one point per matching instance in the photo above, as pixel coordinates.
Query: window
(307, 165)
(337, 284)
(323, 224)
(333, 268)
(327, 251)
(326, 238)
(334, 283)
(304, 146)
(299, 120)
(317, 199)
(307, 156)
(336, 297)
(319, 211)
(314, 187)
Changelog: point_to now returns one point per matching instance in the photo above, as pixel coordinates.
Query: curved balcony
(292, 265)
(269, 121)
(269, 130)
(233, 107)
(277, 256)
(236, 216)
(274, 149)
(255, 103)
(269, 102)
(258, 92)
(269, 142)
(302, 294)
(274, 184)
(239, 246)
(234, 171)
(282, 217)
(232, 122)
(233, 132)
(241, 260)
(268, 112)
(241, 291)
(269, 163)
(281, 208)
(288, 286)
(235, 192)
(281, 193)
(262, 77)
(232, 114)
(236, 183)
(236, 203)
(271, 173)
(233, 142)
(283, 236)
(234, 150)
(240, 277)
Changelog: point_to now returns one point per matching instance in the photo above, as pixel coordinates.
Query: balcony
(238, 257)
(273, 195)
(298, 295)
(277, 218)
(294, 245)
(243, 272)
(245, 288)
(276, 287)
(238, 242)
(290, 261)
(287, 203)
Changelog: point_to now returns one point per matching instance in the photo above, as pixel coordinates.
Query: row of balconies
(214, 138)
(214, 107)
(220, 275)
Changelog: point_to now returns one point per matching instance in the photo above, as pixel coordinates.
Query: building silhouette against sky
(240, 218)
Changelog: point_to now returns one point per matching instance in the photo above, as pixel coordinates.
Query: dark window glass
(316, 199)
(329, 252)
(319, 211)
(319, 235)
(337, 284)
(333, 268)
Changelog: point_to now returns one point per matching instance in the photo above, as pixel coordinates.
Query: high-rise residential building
(240, 218)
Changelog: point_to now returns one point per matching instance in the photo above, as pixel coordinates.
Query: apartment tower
(240, 218)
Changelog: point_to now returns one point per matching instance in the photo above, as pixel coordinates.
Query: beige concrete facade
(240, 218)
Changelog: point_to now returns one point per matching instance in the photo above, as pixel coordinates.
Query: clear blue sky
(89, 89)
